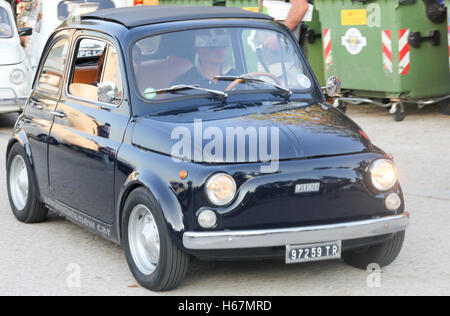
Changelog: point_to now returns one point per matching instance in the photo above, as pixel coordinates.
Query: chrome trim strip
(295, 236)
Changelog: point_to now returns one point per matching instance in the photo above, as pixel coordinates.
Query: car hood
(11, 52)
(286, 131)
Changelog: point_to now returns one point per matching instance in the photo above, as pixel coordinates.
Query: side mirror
(26, 31)
(333, 87)
(107, 92)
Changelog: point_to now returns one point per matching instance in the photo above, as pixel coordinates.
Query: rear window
(71, 8)
(5, 25)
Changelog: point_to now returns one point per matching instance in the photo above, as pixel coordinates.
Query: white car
(15, 78)
(50, 14)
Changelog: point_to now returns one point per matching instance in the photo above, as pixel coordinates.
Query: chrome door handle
(58, 114)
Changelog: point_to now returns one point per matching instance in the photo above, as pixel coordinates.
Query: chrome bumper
(295, 236)
(13, 99)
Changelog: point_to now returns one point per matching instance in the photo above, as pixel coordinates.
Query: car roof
(132, 17)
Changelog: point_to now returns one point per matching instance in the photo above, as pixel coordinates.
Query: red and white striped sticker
(386, 39)
(404, 53)
(327, 48)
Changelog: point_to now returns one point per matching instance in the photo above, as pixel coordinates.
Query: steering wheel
(233, 85)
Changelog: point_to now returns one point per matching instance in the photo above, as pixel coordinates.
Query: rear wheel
(383, 254)
(155, 261)
(22, 194)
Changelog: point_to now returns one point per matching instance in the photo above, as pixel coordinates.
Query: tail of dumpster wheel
(388, 52)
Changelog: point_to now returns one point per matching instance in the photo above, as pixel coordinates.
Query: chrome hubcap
(18, 182)
(144, 241)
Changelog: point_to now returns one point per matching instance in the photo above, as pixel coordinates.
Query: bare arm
(296, 14)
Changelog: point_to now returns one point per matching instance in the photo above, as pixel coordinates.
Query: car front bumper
(10, 101)
(295, 236)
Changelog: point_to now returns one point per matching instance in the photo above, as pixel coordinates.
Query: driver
(211, 48)
(5, 29)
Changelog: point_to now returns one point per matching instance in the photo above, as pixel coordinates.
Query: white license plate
(313, 252)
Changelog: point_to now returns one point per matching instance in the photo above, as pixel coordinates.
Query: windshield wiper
(181, 87)
(256, 80)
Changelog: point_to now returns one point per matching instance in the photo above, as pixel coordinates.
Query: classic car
(187, 136)
(15, 82)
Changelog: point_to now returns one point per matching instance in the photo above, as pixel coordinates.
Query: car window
(112, 73)
(272, 53)
(5, 25)
(52, 72)
(211, 58)
(96, 64)
(71, 8)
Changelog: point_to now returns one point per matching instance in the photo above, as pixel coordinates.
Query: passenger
(211, 47)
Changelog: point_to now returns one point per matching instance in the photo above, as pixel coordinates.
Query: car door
(87, 133)
(38, 114)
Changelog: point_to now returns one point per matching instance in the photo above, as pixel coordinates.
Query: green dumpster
(448, 29)
(251, 5)
(387, 52)
(314, 47)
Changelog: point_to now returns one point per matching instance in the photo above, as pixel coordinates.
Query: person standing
(296, 13)
(295, 16)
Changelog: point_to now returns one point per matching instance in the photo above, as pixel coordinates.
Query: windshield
(71, 8)
(5, 25)
(221, 59)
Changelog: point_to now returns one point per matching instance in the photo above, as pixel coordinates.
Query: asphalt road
(40, 259)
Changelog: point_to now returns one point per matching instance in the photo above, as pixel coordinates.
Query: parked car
(129, 145)
(50, 14)
(15, 81)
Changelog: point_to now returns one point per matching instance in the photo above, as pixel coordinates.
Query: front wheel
(153, 258)
(383, 254)
(22, 194)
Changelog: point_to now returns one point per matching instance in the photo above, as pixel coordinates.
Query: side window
(112, 72)
(96, 64)
(52, 72)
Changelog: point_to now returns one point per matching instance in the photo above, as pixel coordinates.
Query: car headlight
(17, 76)
(383, 174)
(220, 189)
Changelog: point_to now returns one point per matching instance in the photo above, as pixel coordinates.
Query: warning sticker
(354, 41)
(354, 17)
(251, 9)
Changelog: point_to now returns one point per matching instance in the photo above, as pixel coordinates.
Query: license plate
(313, 252)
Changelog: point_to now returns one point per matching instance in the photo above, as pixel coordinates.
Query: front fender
(164, 195)
(21, 138)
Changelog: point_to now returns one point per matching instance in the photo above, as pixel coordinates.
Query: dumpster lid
(132, 17)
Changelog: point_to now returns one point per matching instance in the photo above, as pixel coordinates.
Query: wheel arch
(163, 194)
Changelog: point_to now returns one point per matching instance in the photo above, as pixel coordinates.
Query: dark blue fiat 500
(187, 131)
